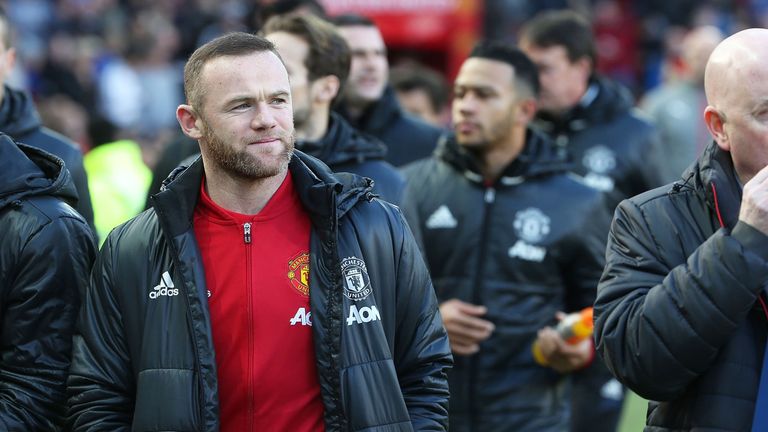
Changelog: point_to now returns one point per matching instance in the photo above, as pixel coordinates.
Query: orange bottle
(574, 328)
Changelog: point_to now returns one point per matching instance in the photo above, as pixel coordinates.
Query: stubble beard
(244, 164)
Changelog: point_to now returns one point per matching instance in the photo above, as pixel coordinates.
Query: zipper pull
(247, 233)
(490, 195)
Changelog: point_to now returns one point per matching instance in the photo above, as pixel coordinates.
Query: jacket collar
(379, 115)
(714, 176)
(602, 102)
(343, 144)
(539, 157)
(325, 196)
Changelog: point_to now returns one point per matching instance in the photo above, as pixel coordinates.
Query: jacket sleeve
(659, 328)
(100, 385)
(422, 352)
(38, 319)
(586, 259)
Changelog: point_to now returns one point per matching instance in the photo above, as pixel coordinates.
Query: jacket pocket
(165, 401)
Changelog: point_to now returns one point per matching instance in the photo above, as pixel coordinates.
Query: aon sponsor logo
(527, 252)
(363, 315)
(302, 317)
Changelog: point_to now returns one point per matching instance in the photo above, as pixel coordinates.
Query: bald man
(675, 107)
(680, 315)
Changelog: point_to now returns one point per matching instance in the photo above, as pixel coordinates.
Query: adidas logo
(441, 218)
(164, 288)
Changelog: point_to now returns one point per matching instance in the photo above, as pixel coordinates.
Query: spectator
(680, 312)
(19, 119)
(676, 107)
(317, 59)
(591, 119)
(421, 92)
(202, 304)
(370, 104)
(510, 239)
(46, 251)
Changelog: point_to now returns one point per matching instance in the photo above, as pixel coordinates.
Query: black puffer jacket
(46, 251)
(611, 146)
(19, 119)
(148, 365)
(344, 149)
(407, 138)
(677, 317)
(527, 246)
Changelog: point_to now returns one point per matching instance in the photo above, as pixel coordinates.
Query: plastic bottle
(574, 328)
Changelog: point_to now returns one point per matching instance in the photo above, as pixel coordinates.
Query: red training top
(257, 273)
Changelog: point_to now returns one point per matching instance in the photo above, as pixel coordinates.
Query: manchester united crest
(357, 284)
(298, 273)
(531, 225)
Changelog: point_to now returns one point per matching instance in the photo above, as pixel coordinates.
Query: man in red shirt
(261, 291)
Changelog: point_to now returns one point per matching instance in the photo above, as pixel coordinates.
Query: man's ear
(189, 122)
(324, 89)
(715, 122)
(526, 111)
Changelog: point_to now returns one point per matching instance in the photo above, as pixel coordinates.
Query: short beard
(241, 163)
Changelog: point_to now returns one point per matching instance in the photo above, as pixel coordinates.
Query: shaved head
(736, 85)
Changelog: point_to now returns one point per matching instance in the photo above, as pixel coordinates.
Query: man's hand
(754, 202)
(560, 355)
(465, 329)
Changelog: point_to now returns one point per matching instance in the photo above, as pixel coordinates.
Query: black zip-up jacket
(20, 120)
(677, 316)
(611, 145)
(526, 246)
(407, 138)
(344, 149)
(46, 251)
(148, 364)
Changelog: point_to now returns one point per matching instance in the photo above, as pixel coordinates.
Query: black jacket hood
(27, 171)
(610, 99)
(343, 144)
(18, 115)
(539, 157)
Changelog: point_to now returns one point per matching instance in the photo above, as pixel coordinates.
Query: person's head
(736, 85)
(562, 46)
(7, 51)
(369, 69)
(239, 107)
(318, 61)
(420, 91)
(494, 98)
(697, 46)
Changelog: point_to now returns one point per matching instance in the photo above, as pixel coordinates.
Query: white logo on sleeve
(441, 218)
(599, 161)
(303, 317)
(164, 288)
(357, 284)
(363, 315)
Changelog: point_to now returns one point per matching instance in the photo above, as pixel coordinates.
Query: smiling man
(261, 291)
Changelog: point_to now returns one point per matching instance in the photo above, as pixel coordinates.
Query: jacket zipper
(489, 197)
(249, 313)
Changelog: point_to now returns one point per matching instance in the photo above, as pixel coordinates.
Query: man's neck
(356, 109)
(239, 195)
(497, 158)
(316, 125)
